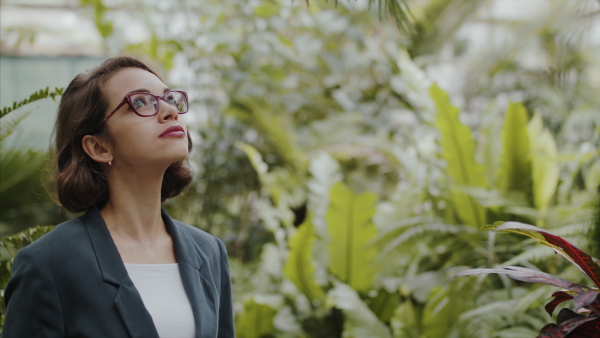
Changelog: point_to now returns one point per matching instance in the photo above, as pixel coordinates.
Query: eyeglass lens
(146, 104)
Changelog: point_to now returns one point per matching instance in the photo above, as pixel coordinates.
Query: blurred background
(347, 152)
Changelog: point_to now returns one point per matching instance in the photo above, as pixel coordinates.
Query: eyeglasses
(146, 104)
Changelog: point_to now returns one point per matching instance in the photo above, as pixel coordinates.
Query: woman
(124, 268)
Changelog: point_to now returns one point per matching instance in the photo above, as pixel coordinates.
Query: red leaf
(585, 261)
(584, 299)
(578, 257)
(551, 331)
(595, 306)
(590, 329)
(579, 326)
(528, 275)
(559, 297)
(566, 314)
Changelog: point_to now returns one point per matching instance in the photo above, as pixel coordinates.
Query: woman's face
(137, 141)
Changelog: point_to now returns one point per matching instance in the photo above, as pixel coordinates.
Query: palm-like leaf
(578, 257)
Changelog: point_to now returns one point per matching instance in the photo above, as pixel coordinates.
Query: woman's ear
(96, 148)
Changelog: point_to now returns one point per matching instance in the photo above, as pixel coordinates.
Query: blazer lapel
(200, 292)
(128, 300)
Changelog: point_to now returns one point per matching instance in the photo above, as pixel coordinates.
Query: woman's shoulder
(59, 239)
(204, 241)
(195, 233)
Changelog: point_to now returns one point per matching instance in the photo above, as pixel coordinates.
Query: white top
(165, 299)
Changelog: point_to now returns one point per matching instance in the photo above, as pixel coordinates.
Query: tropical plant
(23, 199)
(586, 300)
(39, 95)
(292, 100)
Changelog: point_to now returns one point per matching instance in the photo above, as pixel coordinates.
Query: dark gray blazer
(73, 283)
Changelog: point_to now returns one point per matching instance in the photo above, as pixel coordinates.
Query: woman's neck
(133, 207)
(132, 215)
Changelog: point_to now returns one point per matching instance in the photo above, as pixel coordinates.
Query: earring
(110, 163)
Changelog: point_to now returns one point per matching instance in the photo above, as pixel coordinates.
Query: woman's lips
(175, 131)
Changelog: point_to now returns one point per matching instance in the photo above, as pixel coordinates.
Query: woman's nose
(167, 111)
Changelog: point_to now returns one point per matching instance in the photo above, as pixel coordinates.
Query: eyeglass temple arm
(112, 112)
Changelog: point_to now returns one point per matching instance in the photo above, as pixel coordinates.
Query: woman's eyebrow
(144, 90)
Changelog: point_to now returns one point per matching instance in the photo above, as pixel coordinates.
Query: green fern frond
(39, 95)
(422, 230)
(8, 127)
(396, 229)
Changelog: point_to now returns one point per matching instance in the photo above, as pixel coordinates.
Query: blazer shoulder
(58, 239)
(194, 232)
(200, 237)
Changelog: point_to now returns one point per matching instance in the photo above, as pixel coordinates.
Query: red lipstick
(174, 131)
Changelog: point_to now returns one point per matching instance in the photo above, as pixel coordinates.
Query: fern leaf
(8, 127)
(39, 95)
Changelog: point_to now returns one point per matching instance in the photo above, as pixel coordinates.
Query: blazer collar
(112, 267)
(128, 300)
(185, 248)
(109, 260)
(198, 289)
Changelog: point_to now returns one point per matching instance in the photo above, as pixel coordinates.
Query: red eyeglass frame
(127, 99)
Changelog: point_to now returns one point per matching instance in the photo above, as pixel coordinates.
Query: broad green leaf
(350, 227)
(515, 163)
(545, 169)
(255, 321)
(458, 149)
(359, 321)
(299, 267)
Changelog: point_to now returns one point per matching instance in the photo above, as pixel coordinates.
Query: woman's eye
(171, 99)
(139, 102)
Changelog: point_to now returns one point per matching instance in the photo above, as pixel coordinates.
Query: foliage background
(331, 159)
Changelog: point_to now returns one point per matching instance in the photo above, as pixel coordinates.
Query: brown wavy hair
(79, 181)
